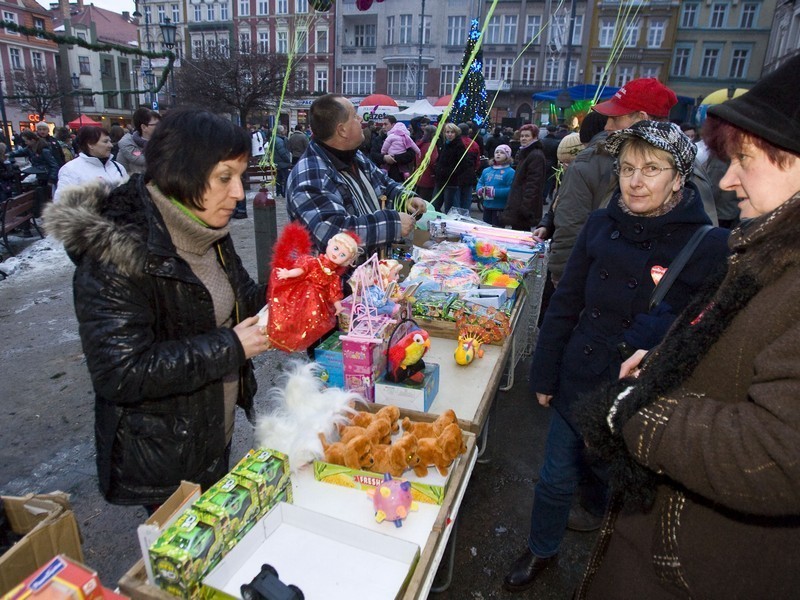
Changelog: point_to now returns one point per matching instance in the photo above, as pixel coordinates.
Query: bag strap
(661, 289)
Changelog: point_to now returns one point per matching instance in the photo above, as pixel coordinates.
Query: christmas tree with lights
(470, 99)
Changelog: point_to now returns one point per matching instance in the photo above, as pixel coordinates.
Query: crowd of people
(668, 350)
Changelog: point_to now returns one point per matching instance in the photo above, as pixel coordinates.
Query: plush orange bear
(391, 413)
(378, 432)
(394, 458)
(430, 430)
(355, 454)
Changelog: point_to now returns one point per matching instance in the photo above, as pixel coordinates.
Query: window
(148, 14)
(301, 80)
(710, 63)
(606, 37)
(83, 65)
(263, 42)
(162, 13)
(10, 16)
(301, 7)
(365, 36)
(302, 41)
(321, 80)
(624, 75)
(15, 54)
(124, 75)
(681, 62)
(82, 35)
(38, 24)
(448, 78)
(749, 16)
(533, 28)
(490, 69)
(357, 80)
(651, 71)
(108, 68)
(529, 70)
(405, 29)
(402, 80)
(655, 34)
(198, 12)
(572, 74)
(506, 68)
(37, 60)
(631, 34)
(322, 41)
(426, 32)
(88, 98)
(111, 101)
(197, 47)
(390, 30)
(689, 14)
(599, 74)
(719, 14)
(223, 12)
(176, 13)
(282, 42)
(551, 69)
(244, 8)
(282, 8)
(493, 31)
(740, 59)
(556, 34)
(210, 12)
(244, 42)
(577, 31)
(456, 31)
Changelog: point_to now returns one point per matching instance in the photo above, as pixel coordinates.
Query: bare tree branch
(37, 90)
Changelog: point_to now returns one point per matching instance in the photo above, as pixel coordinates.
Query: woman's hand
(630, 368)
(253, 338)
(544, 399)
(541, 234)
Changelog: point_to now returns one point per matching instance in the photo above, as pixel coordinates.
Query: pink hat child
(505, 151)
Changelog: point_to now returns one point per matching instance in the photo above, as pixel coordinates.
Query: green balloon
(321, 5)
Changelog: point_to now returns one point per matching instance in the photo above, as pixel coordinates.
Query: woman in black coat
(599, 314)
(524, 207)
(165, 308)
(454, 171)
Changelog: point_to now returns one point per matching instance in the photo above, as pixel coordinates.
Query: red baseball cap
(648, 95)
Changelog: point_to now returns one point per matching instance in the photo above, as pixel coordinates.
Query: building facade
(785, 34)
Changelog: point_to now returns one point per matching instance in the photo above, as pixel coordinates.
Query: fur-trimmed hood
(97, 223)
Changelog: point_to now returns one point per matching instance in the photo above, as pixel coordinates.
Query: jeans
(458, 196)
(280, 181)
(563, 469)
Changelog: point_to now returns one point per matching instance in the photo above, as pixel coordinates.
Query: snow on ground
(42, 256)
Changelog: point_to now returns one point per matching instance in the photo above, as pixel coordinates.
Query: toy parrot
(405, 357)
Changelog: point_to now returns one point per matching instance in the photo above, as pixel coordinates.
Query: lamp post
(76, 83)
(731, 91)
(419, 60)
(168, 29)
(6, 133)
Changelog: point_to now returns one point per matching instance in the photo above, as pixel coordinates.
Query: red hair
(532, 128)
(725, 140)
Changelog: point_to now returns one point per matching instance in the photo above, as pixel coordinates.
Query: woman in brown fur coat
(704, 439)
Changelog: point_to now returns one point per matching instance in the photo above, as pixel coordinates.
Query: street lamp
(76, 83)
(168, 29)
(731, 91)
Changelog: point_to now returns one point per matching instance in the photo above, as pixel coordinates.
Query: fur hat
(664, 136)
(505, 149)
(648, 95)
(770, 110)
(569, 147)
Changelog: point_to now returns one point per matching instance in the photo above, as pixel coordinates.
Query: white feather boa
(301, 410)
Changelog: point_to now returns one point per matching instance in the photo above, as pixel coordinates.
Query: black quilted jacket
(154, 352)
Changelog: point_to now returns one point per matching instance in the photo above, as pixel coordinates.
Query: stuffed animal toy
(391, 413)
(394, 458)
(451, 441)
(392, 500)
(405, 356)
(300, 408)
(430, 430)
(378, 432)
(355, 454)
(429, 453)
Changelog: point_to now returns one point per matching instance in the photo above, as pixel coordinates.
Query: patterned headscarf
(661, 135)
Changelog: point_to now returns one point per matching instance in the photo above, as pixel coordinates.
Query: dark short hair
(89, 134)
(593, 123)
(687, 126)
(391, 118)
(325, 114)
(142, 116)
(186, 146)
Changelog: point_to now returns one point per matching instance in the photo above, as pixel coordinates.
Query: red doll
(305, 291)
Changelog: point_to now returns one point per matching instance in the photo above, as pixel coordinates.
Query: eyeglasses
(647, 170)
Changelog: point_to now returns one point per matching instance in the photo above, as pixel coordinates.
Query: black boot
(581, 519)
(525, 571)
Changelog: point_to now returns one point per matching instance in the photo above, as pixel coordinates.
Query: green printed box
(269, 470)
(236, 498)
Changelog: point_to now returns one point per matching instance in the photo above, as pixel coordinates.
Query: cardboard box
(269, 470)
(329, 356)
(237, 498)
(48, 527)
(323, 556)
(61, 578)
(410, 395)
(364, 363)
(149, 531)
(429, 491)
(511, 292)
(186, 551)
(491, 297)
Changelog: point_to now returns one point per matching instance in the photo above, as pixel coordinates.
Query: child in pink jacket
(398, 140)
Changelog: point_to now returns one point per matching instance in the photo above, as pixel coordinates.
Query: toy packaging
(236, 498)
(59, 579)
(364, 362)
(269, 471)
(329, 356)
(433, 305)
(408, 394)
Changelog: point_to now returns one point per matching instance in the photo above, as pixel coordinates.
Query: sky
(116, 5)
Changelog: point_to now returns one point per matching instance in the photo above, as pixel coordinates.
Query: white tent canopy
(420, 108)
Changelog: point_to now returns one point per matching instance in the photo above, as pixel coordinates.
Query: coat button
(626, 323)
(646, 245)
(614, 234)
(638, 228)
(632, 282)
(603, 274)
(587, 349)
(595, 313)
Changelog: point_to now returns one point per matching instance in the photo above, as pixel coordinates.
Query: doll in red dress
(305, 291)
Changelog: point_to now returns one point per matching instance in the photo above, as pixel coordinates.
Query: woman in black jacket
(454, 171)
(165, 308)
(525, 200)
